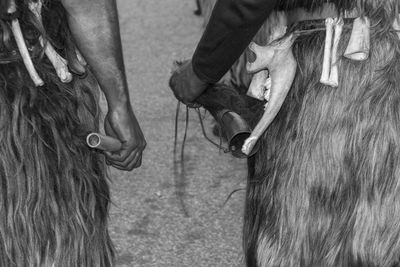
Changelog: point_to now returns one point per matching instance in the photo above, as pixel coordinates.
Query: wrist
(119, 105)
(201, 78)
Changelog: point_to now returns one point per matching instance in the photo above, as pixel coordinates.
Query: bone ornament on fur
(23, 50)
(12, 7)
(278, 58)
(396, 25)
(326, 64)
(334, 74)
(265, 52)
(58, 62)
(76, 63)
(359, 43)
(267, 93)
(261, 81)
(259, 85)
(81, 59)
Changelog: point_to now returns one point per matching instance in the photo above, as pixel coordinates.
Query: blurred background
(159, 217)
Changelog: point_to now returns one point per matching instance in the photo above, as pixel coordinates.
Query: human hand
(121, 123)
(186, 85)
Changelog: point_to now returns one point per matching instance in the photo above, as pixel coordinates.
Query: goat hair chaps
(324, 188)
(54, 193)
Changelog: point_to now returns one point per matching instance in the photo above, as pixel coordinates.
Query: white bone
(268, 85)
(277, 32)
(80, 58)
(279, 60)
(257, 86)
(23, 50)
(326, 65)
(263, 54)
(334, 75)
(261, 81)
(12, 8)
(276, 25)
(58, 62)
(359, 43)
(396, 25)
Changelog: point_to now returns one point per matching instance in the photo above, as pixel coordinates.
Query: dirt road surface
(158, 218)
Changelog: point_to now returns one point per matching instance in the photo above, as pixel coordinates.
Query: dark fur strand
(325, 188)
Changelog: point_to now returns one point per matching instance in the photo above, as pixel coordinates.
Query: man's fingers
(134, 163)
(108, 162)
(121, 155)
(119, 168)
(127, 160)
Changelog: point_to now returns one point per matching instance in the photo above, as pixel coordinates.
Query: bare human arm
(95, 27)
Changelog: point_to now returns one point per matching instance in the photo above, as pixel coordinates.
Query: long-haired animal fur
(54, 196)
(324, 189)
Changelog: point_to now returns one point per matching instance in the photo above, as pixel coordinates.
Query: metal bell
(236, 131)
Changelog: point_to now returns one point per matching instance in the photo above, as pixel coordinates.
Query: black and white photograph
(199, 133)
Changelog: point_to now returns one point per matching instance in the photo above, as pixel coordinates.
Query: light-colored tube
(103, 142)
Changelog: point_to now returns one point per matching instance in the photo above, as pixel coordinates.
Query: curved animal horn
(282, 65)
(23, 50)
(58, 62)
(359, 43)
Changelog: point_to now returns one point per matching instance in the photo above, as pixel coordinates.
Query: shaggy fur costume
(54, 196)
(324, 189)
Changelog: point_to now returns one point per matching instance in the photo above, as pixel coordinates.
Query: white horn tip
(65, 77)
(38, 83)
(249, 144)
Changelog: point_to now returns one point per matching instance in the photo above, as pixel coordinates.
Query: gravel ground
(159, 218)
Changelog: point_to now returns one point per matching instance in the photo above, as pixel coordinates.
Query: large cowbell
(225, 104)
(236, 130)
